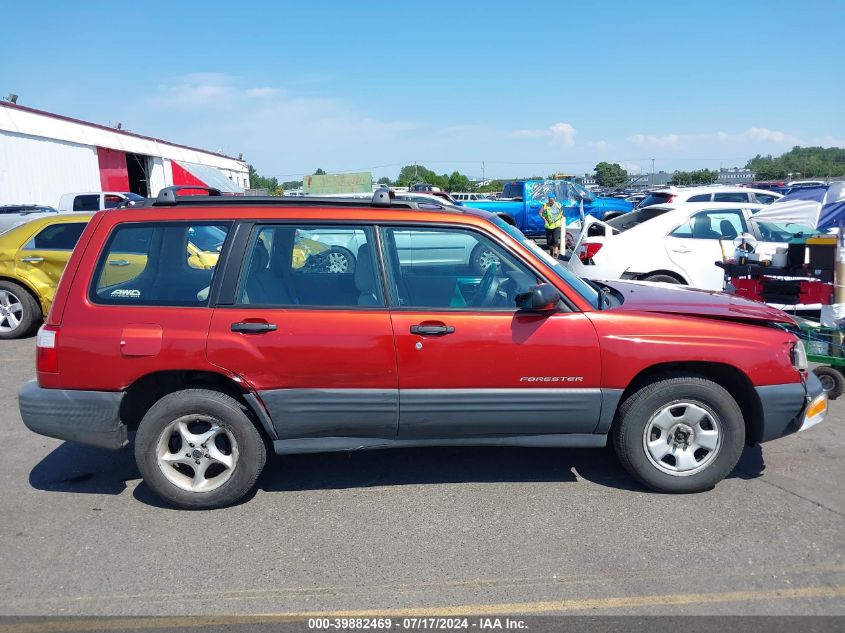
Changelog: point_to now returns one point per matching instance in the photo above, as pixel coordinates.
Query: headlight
(799, 355)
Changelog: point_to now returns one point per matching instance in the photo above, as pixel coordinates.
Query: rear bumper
(85, 417)
(791, 407)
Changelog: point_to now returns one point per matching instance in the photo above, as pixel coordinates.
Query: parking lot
(436, 530)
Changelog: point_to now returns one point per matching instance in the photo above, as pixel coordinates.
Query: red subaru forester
(311, 325)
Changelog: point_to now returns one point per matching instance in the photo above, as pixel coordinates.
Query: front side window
(89, 202)
(317, 266)
(110, 201)
(161, 264)
(446, 268)
(712, 225)
(57, 237)
(765, 198)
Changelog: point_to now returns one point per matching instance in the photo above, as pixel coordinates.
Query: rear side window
(732, 196)
(159, 264)
(87, 203)
(702, 197)
(57, 237)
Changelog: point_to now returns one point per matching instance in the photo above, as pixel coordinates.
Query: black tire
(667, 279)
(335, 258)
(832, 381)
(637, 412)
(228, 414)
(28, 316)
(481, 258)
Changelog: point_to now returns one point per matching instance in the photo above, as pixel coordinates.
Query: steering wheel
(487, 288)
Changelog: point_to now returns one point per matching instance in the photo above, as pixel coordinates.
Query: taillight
(670, 199)
(47, 349)
(588, 251)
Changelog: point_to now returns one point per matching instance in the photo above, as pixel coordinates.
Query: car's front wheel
(197, 449)
(680, 434)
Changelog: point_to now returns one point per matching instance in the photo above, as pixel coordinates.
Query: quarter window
(159, 264)
(452, 269)
(702, 197)
(57, 237)
(322, 266)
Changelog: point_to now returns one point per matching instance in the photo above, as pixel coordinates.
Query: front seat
(701, 229)
(365, 278)
(727, 229)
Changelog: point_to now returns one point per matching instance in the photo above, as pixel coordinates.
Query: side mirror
(539, 298)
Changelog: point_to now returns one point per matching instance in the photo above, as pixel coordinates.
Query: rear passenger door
(308, 330)
(42, 259)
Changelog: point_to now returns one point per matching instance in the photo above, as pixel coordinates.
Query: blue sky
(526, 87)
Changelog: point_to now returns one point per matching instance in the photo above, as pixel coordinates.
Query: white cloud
(667, 140)
(831, 141)
(558, 133)
(262, 92)
(600, 145)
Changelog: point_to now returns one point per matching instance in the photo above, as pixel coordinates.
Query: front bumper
(791, 407)
(86, 417)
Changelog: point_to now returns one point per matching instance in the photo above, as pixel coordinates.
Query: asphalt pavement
(458, 530)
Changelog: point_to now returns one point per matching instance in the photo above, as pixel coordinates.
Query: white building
(44, 155)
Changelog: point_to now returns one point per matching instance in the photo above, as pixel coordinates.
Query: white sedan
(673, 243)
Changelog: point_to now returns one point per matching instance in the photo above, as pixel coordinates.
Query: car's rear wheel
(832, 381)
(19, 311)
(682, 434)
(198, 449)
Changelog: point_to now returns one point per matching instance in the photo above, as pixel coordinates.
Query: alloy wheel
(11, 311)
(196, 453)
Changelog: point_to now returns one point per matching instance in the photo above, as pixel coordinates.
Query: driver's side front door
(469, 363)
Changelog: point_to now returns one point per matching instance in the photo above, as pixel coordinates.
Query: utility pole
(652, 173)
(482, 172)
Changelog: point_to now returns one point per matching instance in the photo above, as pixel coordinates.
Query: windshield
(632, 219)
(782, 232)
(583, 192)
(589, 293)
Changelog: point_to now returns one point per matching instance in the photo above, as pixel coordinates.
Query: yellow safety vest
(552, 215)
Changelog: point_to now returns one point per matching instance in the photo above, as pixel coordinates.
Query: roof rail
(168, 194)
(383, 198)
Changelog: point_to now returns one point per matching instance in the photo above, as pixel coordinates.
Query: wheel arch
(26, 286)
(730, 378)
(145, 391)
(668, 273)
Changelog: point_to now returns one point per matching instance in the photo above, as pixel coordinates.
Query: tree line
(799, 162)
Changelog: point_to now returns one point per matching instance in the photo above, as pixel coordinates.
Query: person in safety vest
(552, 214)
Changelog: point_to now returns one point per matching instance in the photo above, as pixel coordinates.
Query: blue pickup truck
(521, 201)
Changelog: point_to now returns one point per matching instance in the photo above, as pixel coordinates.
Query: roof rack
(167, 198)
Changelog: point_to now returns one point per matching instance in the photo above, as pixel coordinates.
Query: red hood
(667, 298)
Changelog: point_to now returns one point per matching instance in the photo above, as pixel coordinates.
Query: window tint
(87, 203)
(731, 196)
(513, 190)
(702, 197)
(325, 266)
(111, 201)
(452, 268)
(764, 198)
(57, 237)
(656, 198)
(149, 263)
(712, 225)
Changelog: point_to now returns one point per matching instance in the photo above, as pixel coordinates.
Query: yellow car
(34, 255)
(32, 258)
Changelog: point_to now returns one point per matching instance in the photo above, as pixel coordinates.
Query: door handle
(432, 330)
(250, 327)
(681, 249)
(32, 259)
(118, 262)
